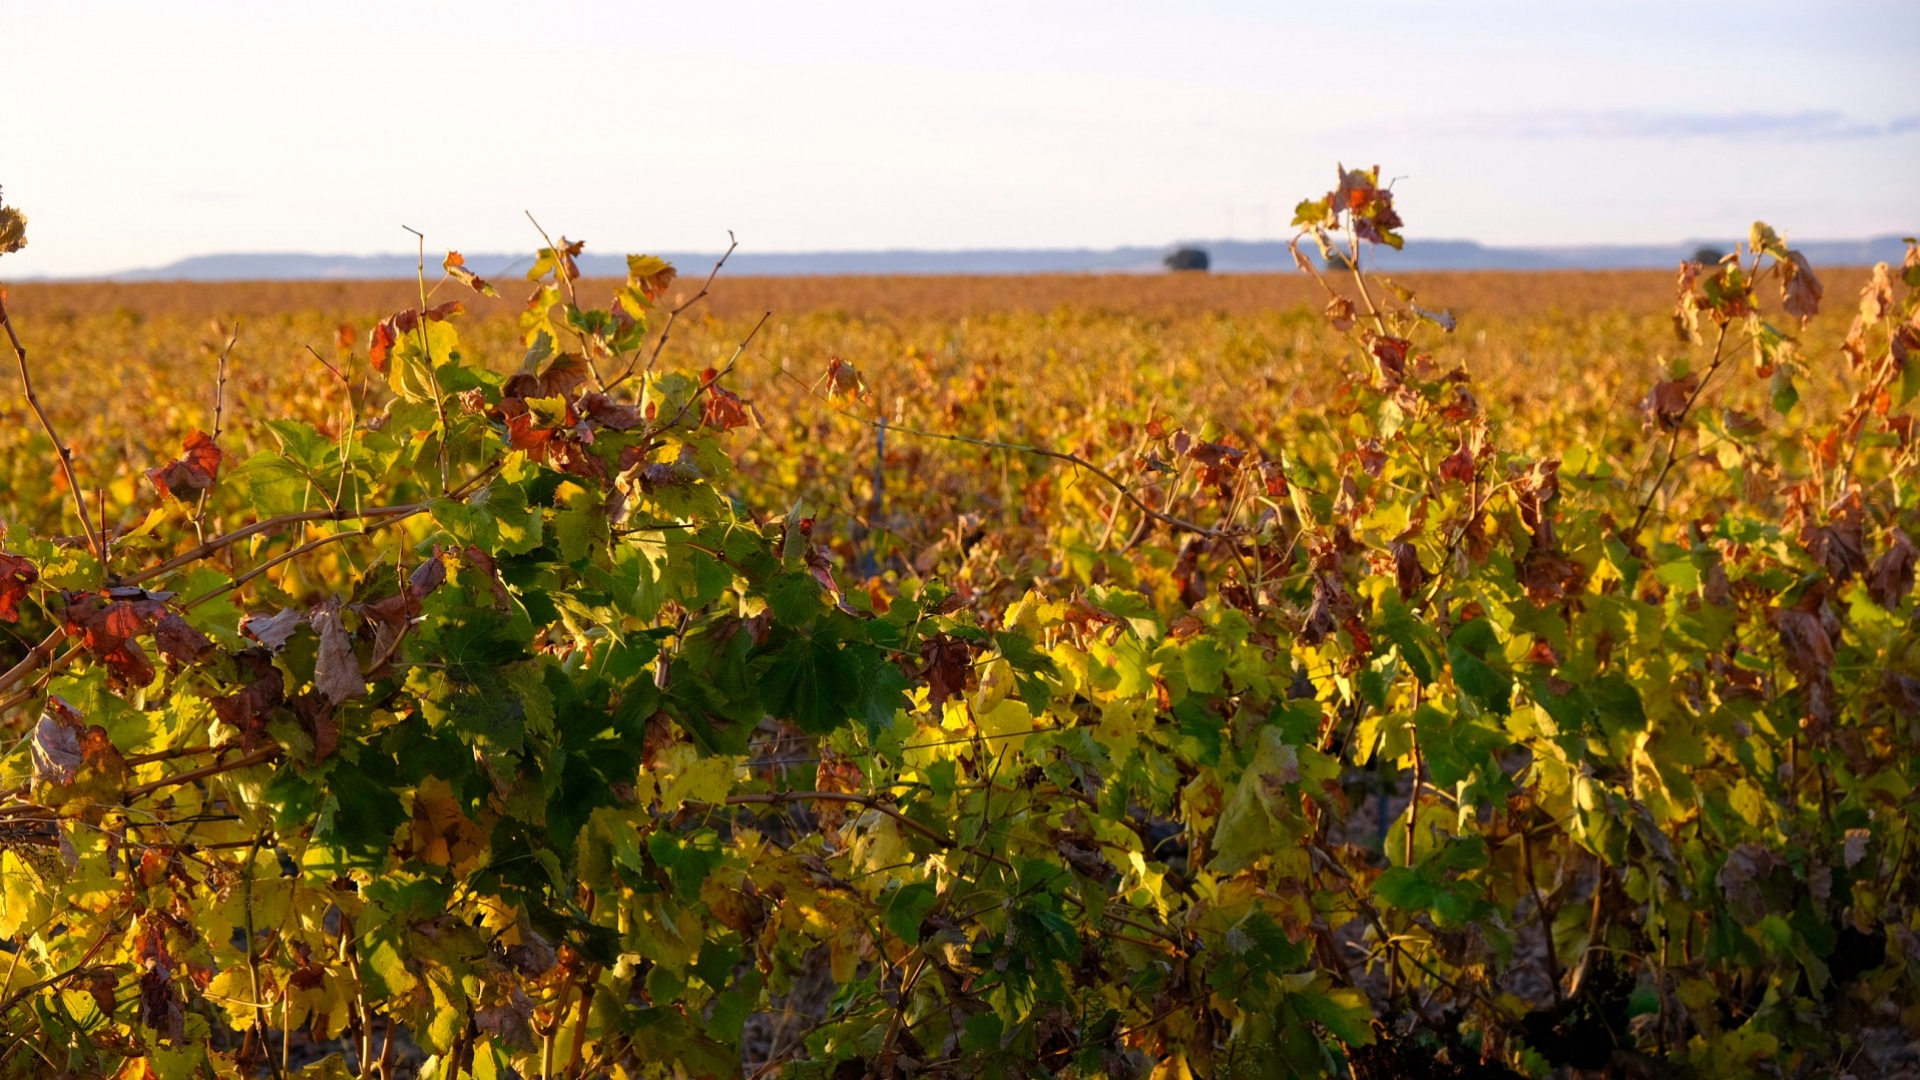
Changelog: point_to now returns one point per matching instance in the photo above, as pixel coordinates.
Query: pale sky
(138, 133)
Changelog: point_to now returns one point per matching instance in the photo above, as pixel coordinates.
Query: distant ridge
(1228, 256)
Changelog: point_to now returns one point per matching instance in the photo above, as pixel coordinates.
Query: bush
(479, 720)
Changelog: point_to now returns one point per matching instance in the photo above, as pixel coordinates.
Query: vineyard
(1312, 675)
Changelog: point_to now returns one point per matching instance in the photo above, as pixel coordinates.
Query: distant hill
(1228, 256)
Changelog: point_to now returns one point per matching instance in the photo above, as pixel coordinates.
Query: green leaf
(907, 908)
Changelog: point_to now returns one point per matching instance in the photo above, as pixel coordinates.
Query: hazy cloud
(1640, 124)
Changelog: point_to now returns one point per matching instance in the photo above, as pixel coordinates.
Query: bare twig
(666, 331)
(1679, 426)
(219, 414)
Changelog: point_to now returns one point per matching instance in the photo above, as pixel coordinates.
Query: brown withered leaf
(1800, 290)
(13, 230)
(945, 662)
(608, 413)
(509, 1024)
(272, 631)
(1804, 636)
(247, 709)
(558, 377)
(16, 575)
(1549, 576)
(1686, 307)
(455, 265)
(1458, 465)
(194, 470)
(1340, 314)
(336, 672)
(1838, 546)
(534, 955)
(1408, 574)
(1891, 578)
(1876, 297)
(843, 380)
(1537, 489)
(1741, 879)
(1666, 403)
(178, 641)
(1391, 352)
(56, 743)
(160, 1004)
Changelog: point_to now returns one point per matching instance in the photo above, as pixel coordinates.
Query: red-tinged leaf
(455, 266)
(106, 625)
(509, 1025)
(1800, 290)
(16, 575)
(427, 577)
(1891, 578)
(723, 409)
(343, 337)
(1273, 476)
(1458, 465)
(1840, 546)
(1391, 352)
(380, 342)
(194, 470)
(1549, 576)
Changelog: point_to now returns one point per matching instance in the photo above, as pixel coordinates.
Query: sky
(133, 134)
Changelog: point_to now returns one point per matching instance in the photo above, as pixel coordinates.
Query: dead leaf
(272, 630)
(1800, 290)
(945, 664)
(1891, 578)
(1876, 297)
(1666, 403)
(16, 574)
(1741, 879)
(336, 672)
(56, 743)
(455, 265)
(178, 641)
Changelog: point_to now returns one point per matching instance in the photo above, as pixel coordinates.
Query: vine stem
(94, 542)
(666, 332)
(219, 414)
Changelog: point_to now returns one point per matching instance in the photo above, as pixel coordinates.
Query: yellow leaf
(442, 833)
